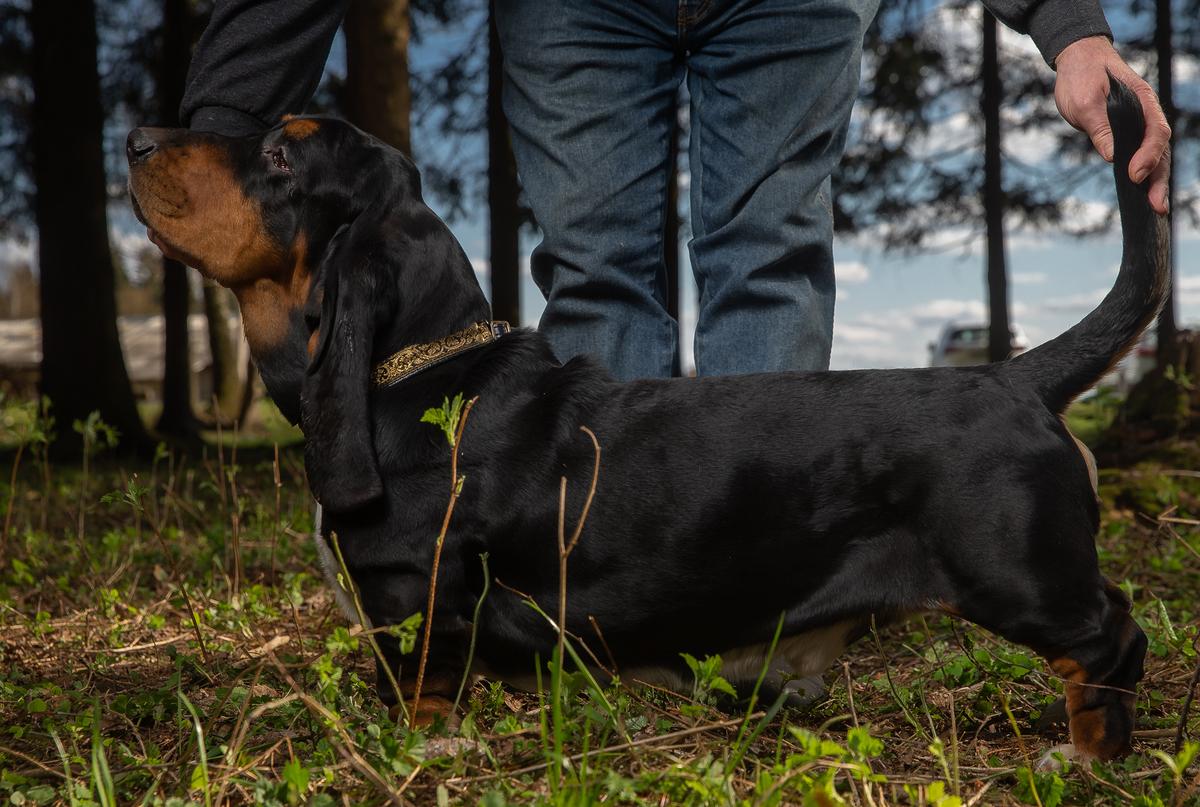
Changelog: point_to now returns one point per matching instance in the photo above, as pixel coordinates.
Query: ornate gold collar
(413, 359)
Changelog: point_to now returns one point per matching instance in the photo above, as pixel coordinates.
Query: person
(590, 93)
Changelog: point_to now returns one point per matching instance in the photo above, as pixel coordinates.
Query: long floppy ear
(339, 450)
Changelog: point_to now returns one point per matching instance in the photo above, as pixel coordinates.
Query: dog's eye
(279, 161)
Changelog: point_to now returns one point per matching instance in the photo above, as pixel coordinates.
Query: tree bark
(504, 215)
(999, 339)
(83, 369)
(1167, 351)
(222, 346)
(178, 420)
(377, 97)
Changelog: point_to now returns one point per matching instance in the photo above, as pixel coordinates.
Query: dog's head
(321, 232)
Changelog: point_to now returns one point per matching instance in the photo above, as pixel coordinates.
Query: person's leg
(772, 83)
(589, 90)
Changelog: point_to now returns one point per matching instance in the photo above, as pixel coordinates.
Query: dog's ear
(355, 294)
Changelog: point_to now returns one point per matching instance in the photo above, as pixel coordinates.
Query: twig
(4, 749)
(850, 692)
(12, 498)
(979, 796)
(483, 559)
(133, 648)
(235, 518)
(455, 490)
(1179, 537)
(278, 490)
(239, 738)
(565, 548)
(674, 735)
(615, 671)
(1187, 702)
(195, 623)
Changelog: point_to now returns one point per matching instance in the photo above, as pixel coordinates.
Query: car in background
(964, 343)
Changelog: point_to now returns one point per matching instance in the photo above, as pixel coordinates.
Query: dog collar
(413, 359)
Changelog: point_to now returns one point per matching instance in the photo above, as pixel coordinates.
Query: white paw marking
(1050, 760)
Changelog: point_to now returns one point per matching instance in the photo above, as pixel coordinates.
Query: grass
(165, 639)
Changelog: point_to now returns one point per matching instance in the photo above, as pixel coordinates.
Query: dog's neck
(448, 306)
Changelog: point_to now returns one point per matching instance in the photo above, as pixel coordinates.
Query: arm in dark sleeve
(256, 61)
(1052, 24)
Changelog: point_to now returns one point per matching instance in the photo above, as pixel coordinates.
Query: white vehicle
(963, 343)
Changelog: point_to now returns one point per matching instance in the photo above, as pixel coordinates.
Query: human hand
(1081, 92)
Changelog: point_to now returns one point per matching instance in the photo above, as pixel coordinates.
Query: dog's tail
(1069, 364)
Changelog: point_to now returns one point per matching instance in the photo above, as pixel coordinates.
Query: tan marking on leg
(437, 699)
(1089, 459)
(1087, 712)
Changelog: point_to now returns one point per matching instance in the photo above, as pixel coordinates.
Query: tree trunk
(83, 369)
(177, 420)
(504, 215)
(999, 339)
(377, 97)
(1167, 350)
(222, 346)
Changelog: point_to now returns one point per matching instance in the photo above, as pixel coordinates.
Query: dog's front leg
(390, 600)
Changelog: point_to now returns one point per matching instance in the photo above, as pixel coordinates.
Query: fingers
(1094, 121)
(1159, 184)
(1158, 134)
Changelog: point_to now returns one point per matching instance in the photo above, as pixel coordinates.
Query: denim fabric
(590, 91)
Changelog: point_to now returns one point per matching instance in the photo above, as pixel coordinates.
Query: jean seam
(685, 17)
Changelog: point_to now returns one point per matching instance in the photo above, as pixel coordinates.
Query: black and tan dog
(722, 502)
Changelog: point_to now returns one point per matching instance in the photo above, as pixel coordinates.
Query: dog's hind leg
(1100, 677)
(1092, 642)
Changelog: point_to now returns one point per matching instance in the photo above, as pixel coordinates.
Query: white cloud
(938, 311)
(861, 334)
(1030, 278)
(1078, 302)
(852, 272)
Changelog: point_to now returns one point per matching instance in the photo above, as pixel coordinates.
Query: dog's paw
(805, 693)
(1052, 760)
(429, 710)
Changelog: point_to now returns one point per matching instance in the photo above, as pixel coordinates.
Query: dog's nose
(139, 146)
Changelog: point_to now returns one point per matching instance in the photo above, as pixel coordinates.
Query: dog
(724, 506)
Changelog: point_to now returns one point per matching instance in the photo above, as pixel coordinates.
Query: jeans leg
(772, 83)
(589, 90)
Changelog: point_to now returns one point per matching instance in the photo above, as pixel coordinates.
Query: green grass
(165, 639)
(1089, 418)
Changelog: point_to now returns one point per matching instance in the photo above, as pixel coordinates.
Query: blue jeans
(590, 92)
